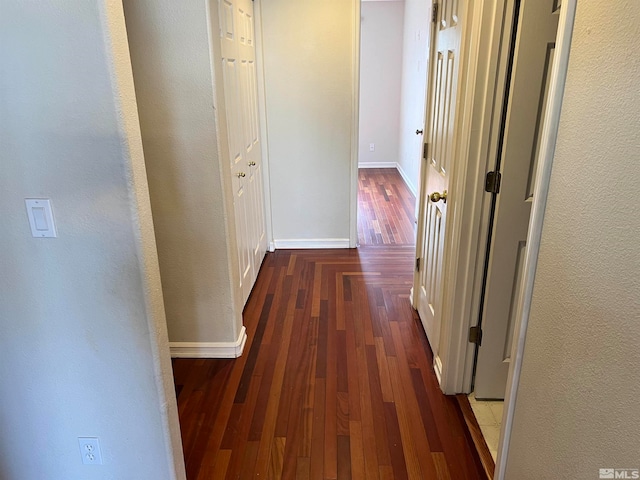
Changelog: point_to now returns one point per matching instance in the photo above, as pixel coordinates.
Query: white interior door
(444, 79)
(241, 102)
(533, 57)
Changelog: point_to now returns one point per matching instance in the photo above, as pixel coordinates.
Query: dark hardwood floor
(336, 380)
(385, 208)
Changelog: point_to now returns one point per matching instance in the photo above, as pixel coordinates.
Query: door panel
(532, 61)
(241, 97)
(440, 157)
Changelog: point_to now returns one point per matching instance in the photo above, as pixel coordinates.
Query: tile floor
(489, 417)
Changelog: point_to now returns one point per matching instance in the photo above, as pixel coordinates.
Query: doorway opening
(394, 50)
(484, 250)
(529, 35)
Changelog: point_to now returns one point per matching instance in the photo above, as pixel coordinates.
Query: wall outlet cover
(90, 450)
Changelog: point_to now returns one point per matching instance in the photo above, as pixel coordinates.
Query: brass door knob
(252, 164)
(437, 196)
(241, 175)
(419, 132)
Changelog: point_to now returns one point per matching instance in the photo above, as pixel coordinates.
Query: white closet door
(241, 99)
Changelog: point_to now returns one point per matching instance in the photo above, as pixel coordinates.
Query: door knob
(437, 196)
(241, 175)
(419, 132)
(252, 164)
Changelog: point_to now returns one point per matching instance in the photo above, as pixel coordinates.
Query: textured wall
(309, 95)
(170, 53)
(577, 407)
(83, 344)
(380, 80)
(415, 59)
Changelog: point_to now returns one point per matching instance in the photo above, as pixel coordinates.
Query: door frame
(467, 203)
(482, 90)
(482, 93)
(355, 125)
(545, 162)
(262, 113)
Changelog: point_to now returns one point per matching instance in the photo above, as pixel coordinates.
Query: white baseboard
(437, 367)
(305, 243)
(209, 349)
(407, 181)
(377, 165)
(272, 247)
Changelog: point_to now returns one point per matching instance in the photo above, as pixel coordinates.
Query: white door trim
(262, 110)
(468, 204)
(545, 161)
(355, 117)
(499, 19)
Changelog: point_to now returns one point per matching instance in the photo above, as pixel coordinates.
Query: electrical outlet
(372, 147)
(90, 450)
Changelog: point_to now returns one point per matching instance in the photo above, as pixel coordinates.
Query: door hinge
(434, 13)
(492, 182)
(475, 335)
(425, 151)
(418, 264)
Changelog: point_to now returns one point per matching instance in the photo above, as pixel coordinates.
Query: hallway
(385, 208)
(336, 380)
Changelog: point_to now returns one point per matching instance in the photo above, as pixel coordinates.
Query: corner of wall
(122, 79)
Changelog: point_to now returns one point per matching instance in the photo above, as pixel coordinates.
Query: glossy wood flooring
(385, 208)
(336, 380)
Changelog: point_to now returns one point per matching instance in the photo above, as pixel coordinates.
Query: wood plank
(271, 412)
(277, 456)
(385, 208)
(317, 437)
(407, 404)
(303, 467)
(404, 423)
(356, 450)
(219, 469)
(442, 469)
(336, 380)
(383, 371)
(475, 434)
(396, 447)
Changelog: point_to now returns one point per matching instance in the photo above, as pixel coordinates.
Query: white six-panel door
(533, 58)
(437, 165)
(241, 103)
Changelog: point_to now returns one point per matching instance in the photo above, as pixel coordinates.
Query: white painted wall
(83, 343)
(577, 404)
(308, 65)
(171, 54)
(380, 80)
(415, 60)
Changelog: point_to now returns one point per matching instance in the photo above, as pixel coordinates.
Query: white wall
(415, 59)
(380, 80)
(170, 52)
(83, 345)
(309, 107)
(577, 405)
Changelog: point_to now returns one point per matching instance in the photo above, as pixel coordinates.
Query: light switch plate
(40, 217)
